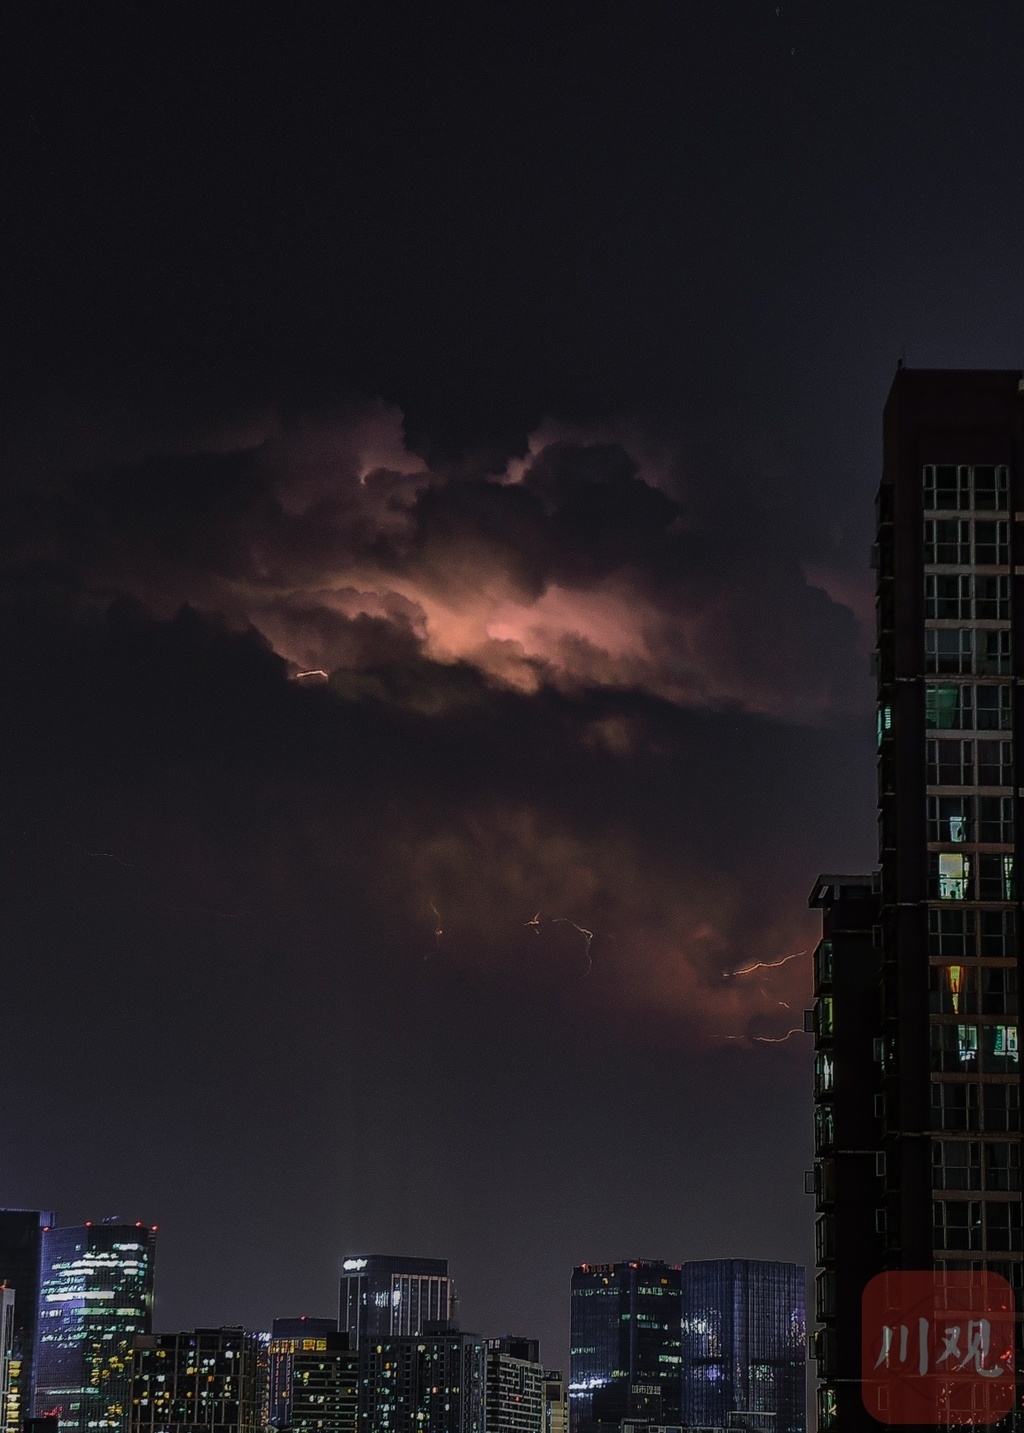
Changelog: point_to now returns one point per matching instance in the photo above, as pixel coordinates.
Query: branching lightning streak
(109, 856)
(765, 965)
(438, 931)
(535, 923)
(778, 1039)
(588, 936)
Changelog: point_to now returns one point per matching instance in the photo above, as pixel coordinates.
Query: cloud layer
(568, 727)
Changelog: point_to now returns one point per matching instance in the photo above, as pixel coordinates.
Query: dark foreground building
(204, 1379)
(434, 1380)
(21, 1232)
(939, 1111)
(624, 1344)
(744, 1336)
(289, 1337)
(95, 1298)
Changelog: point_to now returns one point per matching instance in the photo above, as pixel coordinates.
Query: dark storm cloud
(571, 688)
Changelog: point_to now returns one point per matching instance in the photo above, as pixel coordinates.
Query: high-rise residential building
(940, 1112)
(21, 1232)
(383, 1296)
(95, 1297)
(434, 1380)
(624, 1343)
(556, 1402)
(515, 1386)
(744, 1335)
(287, 1338)
(201, 1379)
(6, 1358)
(325, 1386)
(847, 1136)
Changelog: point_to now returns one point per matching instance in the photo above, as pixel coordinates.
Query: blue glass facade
(624, 1350)
(744, 1338)
(95, 1296)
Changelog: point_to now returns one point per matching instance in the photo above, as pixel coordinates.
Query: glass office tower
(744, 1335)
(383, 1295)
(95, 1296)
(624, 1344)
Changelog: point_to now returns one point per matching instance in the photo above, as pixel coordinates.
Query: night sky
(519, 369)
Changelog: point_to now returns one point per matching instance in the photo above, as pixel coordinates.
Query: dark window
(995, 763)
(995, 822)
(947, 542)
(991, 486)
(992, 652)
(1002, 1164)
(993, 708)
(997, 933)
(951, 763)
(1001, 1107)
(954, 1106)
(956, 1164)
(1003, 1225)
(991, 598)
(998, 990)
(951, 932)
(957, 1224)
(948, 598)
(991, 544)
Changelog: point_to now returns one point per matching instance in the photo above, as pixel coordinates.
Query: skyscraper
(287, 1338)
(624, 1343)
(939, 1111)
(325, 1386)
(6, 1358)
(20, 1242)
(515, 1386)
(202, 1379)
(383, 1296)
(95, 1296)
(434, 1380)
(744, 1335)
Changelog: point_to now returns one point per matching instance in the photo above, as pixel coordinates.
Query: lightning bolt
(765, 965)
(778, 1039)
(767, 1039)
(588, 936)
(535, 923)
(109, 856)
(438, 931)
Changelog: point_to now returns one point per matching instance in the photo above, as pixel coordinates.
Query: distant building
(287, 1338)
(202, 1379)
(624, 1353)
(20, 1242)
(95, 1298)
(515, 1386)
(383, 1296)
(325, 1386)
(556, 1402)
(744, 1333)
(6, 1358)
(434, 1380)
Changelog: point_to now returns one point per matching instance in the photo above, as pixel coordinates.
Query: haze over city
(440, 455)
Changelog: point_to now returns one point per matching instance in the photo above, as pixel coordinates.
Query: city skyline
(439, 455)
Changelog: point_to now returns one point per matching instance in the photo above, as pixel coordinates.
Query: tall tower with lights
(916, 1020)
(95, 1297)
